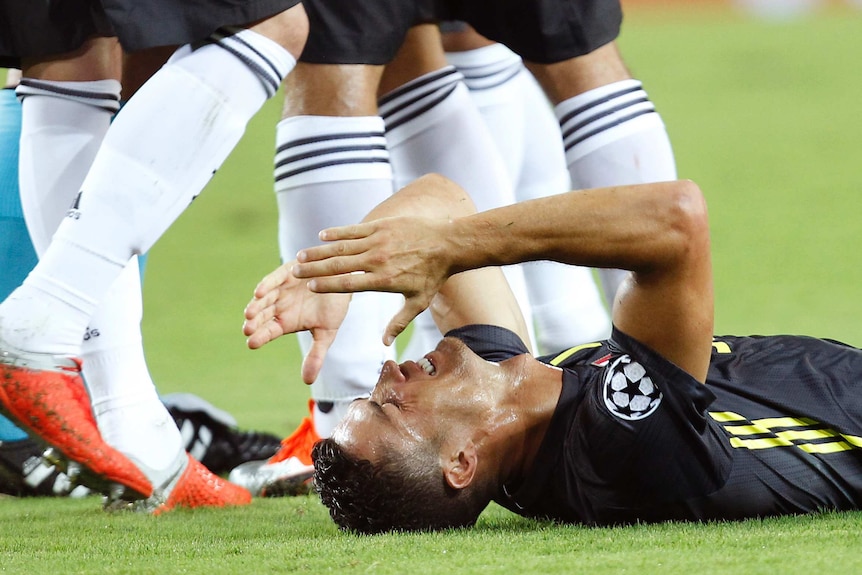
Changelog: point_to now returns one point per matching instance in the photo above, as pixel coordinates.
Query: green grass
(764, 117)
(295, 536)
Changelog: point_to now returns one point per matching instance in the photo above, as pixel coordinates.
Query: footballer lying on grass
(660, 422)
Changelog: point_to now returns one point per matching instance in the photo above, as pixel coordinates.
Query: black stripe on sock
(391, 125)
(324, 152)
(329, 138)
(233, 34)
(569, 130)
(469, 79)
(331, 163)
(594, 103)
(433, 77)
(270, 85)
(613, 124)
(112, 100)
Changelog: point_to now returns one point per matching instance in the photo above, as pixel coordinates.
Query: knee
(288, 28)
(566, 79)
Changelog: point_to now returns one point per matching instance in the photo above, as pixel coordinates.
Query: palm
(283, 304)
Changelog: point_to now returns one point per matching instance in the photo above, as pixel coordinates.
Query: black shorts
(542, 31)
(32, 29)
(360, 31)
(371, 31)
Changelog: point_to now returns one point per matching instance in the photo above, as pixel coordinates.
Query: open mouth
(426, 366)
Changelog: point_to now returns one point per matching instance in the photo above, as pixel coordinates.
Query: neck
(525, 413)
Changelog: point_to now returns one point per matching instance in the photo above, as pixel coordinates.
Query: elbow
(688, 217)
(691, 204)
(439, 191)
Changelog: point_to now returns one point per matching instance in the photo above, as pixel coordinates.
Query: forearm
(639, 228)
(658, 231)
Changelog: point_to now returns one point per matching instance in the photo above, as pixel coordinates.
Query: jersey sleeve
(642, 437)
(490, 342)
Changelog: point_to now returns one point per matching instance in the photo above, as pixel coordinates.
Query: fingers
(347, 283)
(412, 308)
(268, 291)
(313, 362)
(332, 267)
(262, 306)
(259, 325)
(343, 275)
(351, 232)
(310, 369)
(331, 273)
(264, 334)
(339, 245)
(273, 280)
(343, 255)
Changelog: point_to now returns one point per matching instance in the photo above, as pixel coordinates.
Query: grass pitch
(764, 116)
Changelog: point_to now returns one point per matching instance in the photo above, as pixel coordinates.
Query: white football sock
(613, 136)
(565, 301)
(66, 122)
(128, 410)
(332, 171)
(495, 77)
(62, 128)
(325, 421)
(156, 157)
(432, 125)
(567, 306)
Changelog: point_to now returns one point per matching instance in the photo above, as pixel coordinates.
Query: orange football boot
(286, 473)
(45, 395)
(197, 486)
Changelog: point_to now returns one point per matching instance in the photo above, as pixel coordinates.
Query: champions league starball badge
(629, 392)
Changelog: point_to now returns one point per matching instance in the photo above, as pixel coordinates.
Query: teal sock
(9, 432)
(17, 257)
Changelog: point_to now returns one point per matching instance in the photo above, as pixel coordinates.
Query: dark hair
(399, 493)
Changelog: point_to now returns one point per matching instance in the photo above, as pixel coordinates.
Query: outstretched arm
(657, 231)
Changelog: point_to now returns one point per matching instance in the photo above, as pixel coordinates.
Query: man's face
(416, 402)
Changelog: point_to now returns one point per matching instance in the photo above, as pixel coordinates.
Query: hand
(406, 255)
(283, 304)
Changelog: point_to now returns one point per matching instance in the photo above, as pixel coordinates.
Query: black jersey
(777, 429)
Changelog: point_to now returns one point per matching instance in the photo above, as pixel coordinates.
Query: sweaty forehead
(365, 431)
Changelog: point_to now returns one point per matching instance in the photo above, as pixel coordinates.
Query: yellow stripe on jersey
(571, 351)
(853, 440)
(757, 429)
(720, 346)
(786, 422)
(746, 429)
(807, 434)
(764, 443)
(808, 430)
(831, 447)
(721, 416)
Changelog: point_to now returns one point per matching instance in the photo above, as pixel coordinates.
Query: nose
(390, 374)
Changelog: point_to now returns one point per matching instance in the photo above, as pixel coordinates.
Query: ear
(460, 468)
